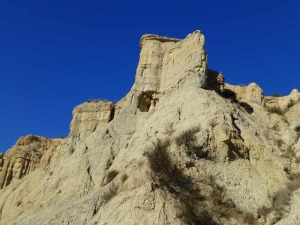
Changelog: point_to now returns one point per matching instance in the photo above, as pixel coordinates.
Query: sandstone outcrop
(283, 103)
(89, 115)
(24, 157)
(182, 147)
(251, 93)
(166, 62)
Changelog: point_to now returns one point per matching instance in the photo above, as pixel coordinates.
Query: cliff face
(25, 157)
(165, 62)
(181, 147)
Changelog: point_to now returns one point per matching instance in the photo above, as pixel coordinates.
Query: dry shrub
(167, 176)
(248, 218)
(212, 208)
(213, 123)
(93, 100)
(282, 198)
(189, 139)
(158, 158)
(294, 182)
(203, 202)
(276, 110)
(97, 100)
(290, 104)
(165, 172)
(277, 95)
(279, 143)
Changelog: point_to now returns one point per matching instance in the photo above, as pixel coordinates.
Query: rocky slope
(181, 147)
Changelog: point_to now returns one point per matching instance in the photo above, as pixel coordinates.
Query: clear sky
(56, 54)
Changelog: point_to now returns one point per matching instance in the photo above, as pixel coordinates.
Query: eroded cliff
(25, 156)
(181, 147)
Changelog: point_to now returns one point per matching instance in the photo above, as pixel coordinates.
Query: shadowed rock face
(182, 147)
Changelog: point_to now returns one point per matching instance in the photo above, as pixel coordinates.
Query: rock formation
(182, 147)
(25, 157)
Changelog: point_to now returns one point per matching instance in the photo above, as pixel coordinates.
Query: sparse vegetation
(213, 208)
(248, 218)
(277, 95)
(179, 113)
(93, 100)
(276, 127)
(290, 104)
(161, 165)
(279, 142)
(281, 199)
(275, 109)
(188, 138)
(278, 110)
(97, 100)
(213, 123)
(289, 152)
(208, 205)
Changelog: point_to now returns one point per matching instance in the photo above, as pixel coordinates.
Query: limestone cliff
(182, 147)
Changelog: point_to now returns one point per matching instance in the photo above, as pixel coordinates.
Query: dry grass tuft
(203, 202)
(188, 138)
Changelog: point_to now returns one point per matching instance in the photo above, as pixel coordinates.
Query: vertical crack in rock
(112, 113)
(89, 173)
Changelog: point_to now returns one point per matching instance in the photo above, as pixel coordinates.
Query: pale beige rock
(251, 93)
(24, 157)
(283, 103)
(89, 115)
(166, 62)
(177, 149)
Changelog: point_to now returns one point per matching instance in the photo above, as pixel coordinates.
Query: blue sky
(55, 54)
